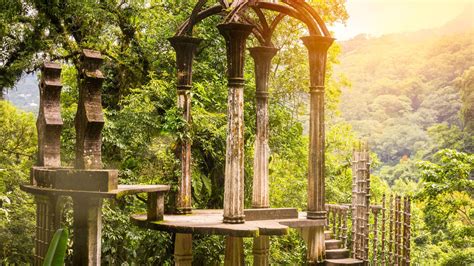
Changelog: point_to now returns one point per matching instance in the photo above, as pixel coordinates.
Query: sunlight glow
(378, 17)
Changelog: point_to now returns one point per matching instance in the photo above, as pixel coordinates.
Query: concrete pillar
(49, 125)
(185, 48)
(260, 195)
(183, 250)
(89, 121)
(234, 251)
(314, 239)
(87, 229)
(261, 250)
(317, 52)
(235, 35)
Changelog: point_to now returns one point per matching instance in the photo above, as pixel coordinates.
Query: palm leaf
(57, 249)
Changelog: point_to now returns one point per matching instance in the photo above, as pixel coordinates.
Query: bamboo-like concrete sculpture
(87, 183)
(49, 126)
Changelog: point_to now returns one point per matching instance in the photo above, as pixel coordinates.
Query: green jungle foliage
(412, 102)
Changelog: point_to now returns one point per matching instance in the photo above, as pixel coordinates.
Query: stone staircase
(336, 254)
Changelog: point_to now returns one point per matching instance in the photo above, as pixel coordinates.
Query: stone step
(327, 234)
(333, 244)
(341, 253)
(347, 261)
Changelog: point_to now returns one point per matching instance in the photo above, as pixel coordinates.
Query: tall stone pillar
(261, 250)
(183, 250)
(49, 126)
(262, 57)
(234, 251)
(235, 35)
(89, 121)
(185, 48)
(317, 51)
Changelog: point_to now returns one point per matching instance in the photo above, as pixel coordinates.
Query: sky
(379, 17)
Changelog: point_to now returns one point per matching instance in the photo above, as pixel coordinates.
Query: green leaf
(57, 249)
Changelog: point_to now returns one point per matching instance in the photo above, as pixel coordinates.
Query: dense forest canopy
(410, 95)
(406, 85)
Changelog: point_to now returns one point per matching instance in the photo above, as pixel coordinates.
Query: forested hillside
(411, 96)
(406, 86)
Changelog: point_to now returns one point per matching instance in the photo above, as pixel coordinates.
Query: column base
(260, 207)
(315, 215)
(184, 210)
(234, 220)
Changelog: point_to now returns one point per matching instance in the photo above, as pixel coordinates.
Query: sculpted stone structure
(87, 183)
(262, 221)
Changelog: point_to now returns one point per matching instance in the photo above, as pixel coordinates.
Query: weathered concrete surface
(183, 250)
(260, 191)
(210, 222)
(235, 35)
(185, 48)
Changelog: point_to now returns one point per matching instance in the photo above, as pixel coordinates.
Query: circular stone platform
(210, 222)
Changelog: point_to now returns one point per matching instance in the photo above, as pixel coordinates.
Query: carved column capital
(235, 35)
(185, 48)
(262, 57)
(317, 51)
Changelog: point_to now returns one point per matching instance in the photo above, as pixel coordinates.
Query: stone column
(185, 48)
(234, 251)
(183, 250)
(49, 126)
(261, 246)
(314, 239)
(89, 121)
(317, 52)
(262, 57)
(235, 35)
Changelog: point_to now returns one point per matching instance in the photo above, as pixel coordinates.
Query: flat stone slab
(210, 222)
(102, 180)
(121, 191)
(270, 214)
